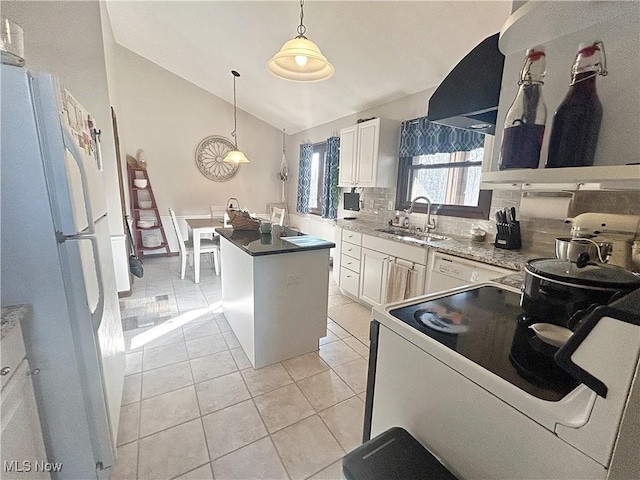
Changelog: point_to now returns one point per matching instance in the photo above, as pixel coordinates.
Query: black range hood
(468, 97)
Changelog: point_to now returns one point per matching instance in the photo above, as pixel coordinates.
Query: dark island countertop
(280, 240)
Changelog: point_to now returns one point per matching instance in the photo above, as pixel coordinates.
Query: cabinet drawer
(349, 281)
(352, 237)
(351, 250)
(350, 263)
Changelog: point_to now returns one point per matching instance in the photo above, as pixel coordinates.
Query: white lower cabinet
(378, 255)
(350, 262)
(374, 273)
(22, 455)
(349, 281)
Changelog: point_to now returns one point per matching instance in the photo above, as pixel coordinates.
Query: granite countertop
(12, 316)
(280, 240)
(515, 280)
(483, 252)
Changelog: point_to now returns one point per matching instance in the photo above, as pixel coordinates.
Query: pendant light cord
(301, 28)
(234, 134)
(284, 151)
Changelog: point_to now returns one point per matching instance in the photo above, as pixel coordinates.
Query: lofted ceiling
(381, 50)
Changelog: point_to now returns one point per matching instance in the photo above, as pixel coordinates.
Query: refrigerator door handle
(91, 235)
(77, 156)
(93, 238)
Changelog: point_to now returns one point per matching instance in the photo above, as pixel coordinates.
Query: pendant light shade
(235, 156)
(299, 59)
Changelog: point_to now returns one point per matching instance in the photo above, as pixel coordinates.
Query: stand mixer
(620, 230)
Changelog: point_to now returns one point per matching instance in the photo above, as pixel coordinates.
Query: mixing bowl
(568, 248)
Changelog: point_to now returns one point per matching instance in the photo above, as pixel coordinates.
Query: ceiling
(381, 50)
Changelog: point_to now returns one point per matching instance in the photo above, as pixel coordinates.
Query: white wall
(411, 106)
(167, 117)
(65, 38)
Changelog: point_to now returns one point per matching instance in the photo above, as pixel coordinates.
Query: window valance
(422, 137)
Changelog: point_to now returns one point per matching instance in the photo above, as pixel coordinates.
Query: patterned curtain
(330, 190)
(421, 137)
(304, 178)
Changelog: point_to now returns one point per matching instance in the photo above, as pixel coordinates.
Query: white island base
(275, 304)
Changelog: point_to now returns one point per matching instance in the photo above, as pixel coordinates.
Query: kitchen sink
(411, 236)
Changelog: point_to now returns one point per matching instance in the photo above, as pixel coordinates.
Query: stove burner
(442, 321)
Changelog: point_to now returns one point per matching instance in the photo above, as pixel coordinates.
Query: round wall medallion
(210, 153)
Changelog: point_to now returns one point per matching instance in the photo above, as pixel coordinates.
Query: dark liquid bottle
(576, 123)
(521, 146)
(525, 120)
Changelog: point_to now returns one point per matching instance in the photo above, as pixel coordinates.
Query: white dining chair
(186, 247)
(220, 211)
(278, 216)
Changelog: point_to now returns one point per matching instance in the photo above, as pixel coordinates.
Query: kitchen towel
(397, 284)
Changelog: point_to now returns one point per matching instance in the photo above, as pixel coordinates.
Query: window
(444, 164)
(318, 159)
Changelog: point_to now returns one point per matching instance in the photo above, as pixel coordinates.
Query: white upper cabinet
(348, 156)
(561, 27)
(369, 154)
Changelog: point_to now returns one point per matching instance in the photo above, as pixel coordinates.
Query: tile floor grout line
(189, 471)
(138, 439)
(275, 447)
(208, 298)
(204, 432)
(322, 410)
(171, 426)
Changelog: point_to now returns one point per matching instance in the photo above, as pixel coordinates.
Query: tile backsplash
(538, 234)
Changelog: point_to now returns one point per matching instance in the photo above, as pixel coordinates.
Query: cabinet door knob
(5, 371)
(33, 372)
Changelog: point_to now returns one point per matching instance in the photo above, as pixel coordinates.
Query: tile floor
(194, 408)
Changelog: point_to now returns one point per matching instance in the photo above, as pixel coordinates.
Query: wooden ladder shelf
(149, 211)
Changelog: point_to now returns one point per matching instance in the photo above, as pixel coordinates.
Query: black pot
(555, 291)
(533, 359)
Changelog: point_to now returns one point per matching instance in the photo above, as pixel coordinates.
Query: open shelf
(537, 22)
(619, 177)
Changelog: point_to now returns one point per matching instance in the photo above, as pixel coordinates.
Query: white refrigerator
(56, 256)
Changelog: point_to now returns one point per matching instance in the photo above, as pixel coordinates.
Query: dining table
(207, 226)
(199, 227)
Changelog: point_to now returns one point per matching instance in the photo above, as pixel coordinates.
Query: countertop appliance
(56, 256)
(440, 367)
(618, 229)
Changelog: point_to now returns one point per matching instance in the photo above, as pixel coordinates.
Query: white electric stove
(449, 369)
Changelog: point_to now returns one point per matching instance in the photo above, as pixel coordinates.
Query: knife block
(509, 238)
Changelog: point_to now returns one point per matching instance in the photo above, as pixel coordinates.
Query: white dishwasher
(447, 272)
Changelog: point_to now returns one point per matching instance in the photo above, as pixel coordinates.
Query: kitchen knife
(498, 222)
(513, 214)
(503, 223)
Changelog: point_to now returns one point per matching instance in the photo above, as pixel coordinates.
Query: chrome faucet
(428, 224)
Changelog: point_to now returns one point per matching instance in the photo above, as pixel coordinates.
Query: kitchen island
(275, 291)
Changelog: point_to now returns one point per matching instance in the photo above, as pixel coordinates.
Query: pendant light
(235, 156)
(299, 59)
